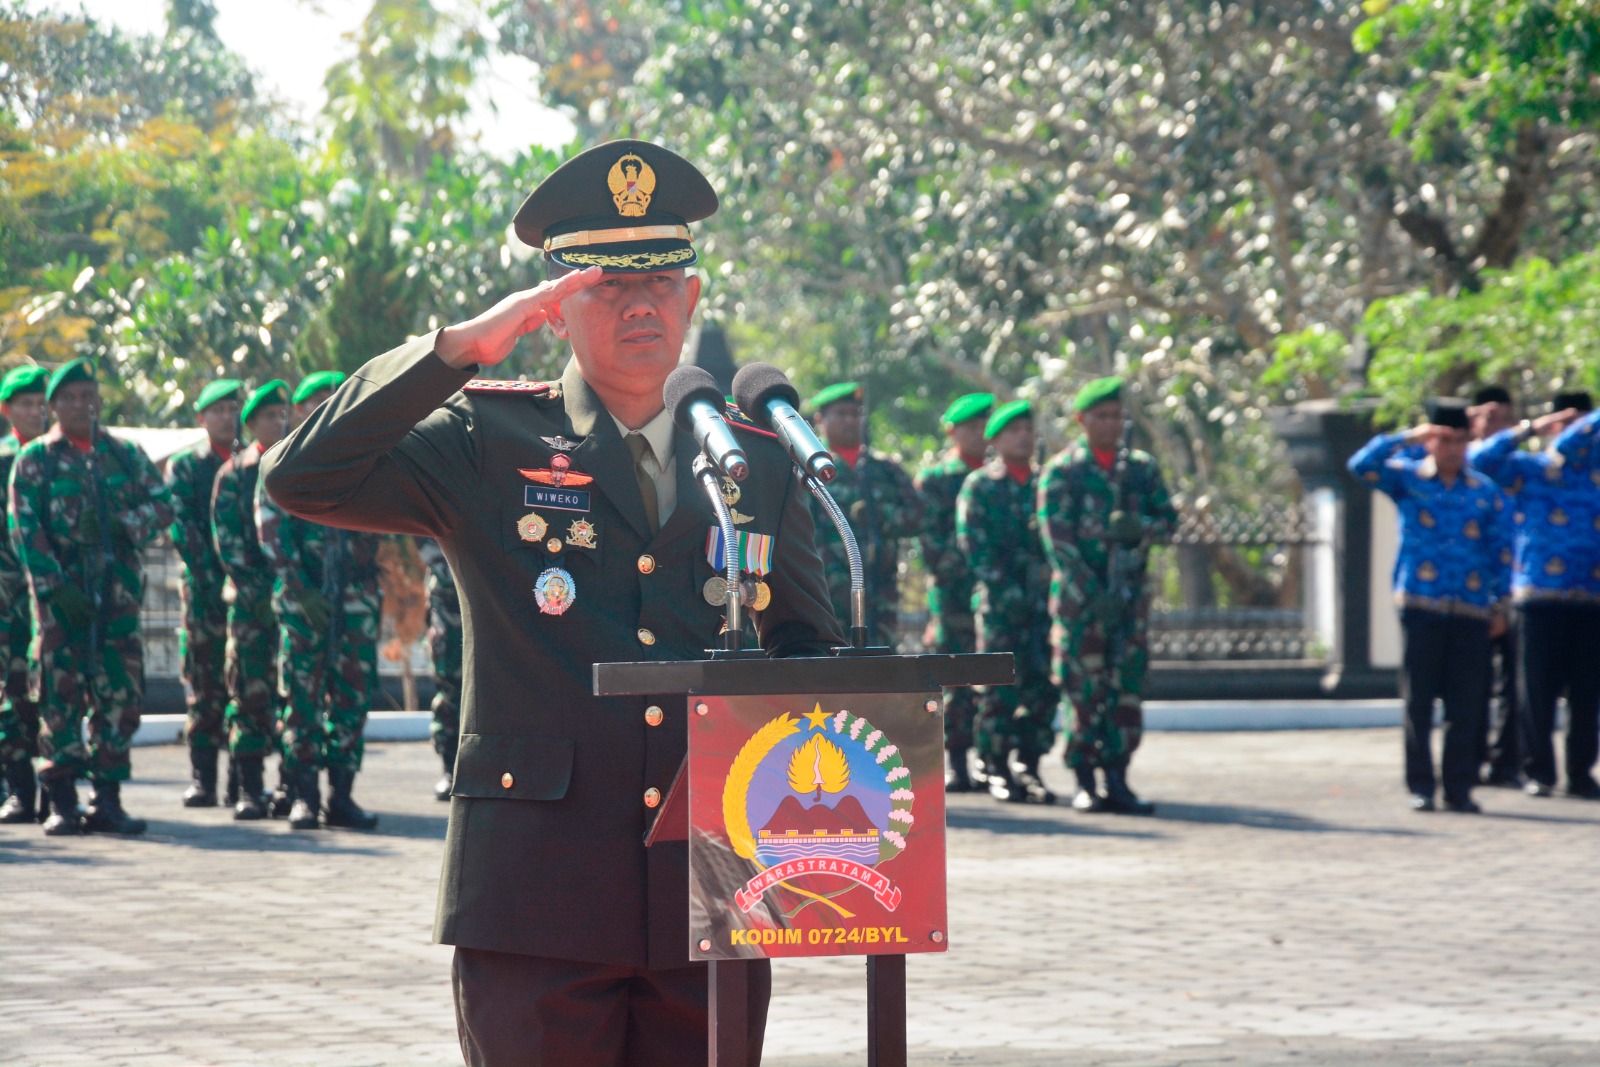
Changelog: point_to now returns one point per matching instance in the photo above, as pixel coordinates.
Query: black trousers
(1560, 647)
(1446, 658)
(532, 1011)
(1500, 740)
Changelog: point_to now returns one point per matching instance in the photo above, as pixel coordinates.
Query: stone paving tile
(1286, 908)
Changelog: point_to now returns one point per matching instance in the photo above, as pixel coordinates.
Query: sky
(290, 44)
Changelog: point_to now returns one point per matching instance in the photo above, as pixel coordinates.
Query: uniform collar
(657, 434)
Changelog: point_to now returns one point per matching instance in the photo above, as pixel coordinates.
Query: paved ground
(1285, 909)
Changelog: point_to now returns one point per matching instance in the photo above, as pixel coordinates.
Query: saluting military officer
(83, 506)
(329, 607)
(998, 524)
(444, 643)
(22, 402)
(204, 638)
(950, 623)
(1101, 506)
(877, 497)
(1555, 583)
(577, 534)
(251, 668)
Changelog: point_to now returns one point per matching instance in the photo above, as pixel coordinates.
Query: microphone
(765, 393)
(696, 404)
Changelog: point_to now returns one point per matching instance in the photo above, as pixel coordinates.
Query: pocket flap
(513, 767)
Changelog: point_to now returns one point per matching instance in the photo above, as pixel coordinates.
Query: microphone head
(683, 387)
(757, 383)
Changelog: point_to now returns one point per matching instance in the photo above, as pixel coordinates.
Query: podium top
(804, 674)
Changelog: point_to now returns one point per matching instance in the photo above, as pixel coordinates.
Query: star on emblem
(818, 718)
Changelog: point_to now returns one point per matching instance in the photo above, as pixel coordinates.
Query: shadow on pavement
(1055, 820)
(1268, 819)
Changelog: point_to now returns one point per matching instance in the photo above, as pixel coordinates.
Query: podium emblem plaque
(816, 825)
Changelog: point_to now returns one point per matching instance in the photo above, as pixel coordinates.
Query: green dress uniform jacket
(545, 852)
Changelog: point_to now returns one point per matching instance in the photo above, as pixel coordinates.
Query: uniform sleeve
(1498, 534)
(191, 521)
(273, 530)
(228, 535)
(1057, 522)
(1160, 518)
(13, 581)
(152, 499)
(1497, 458)
(381, 454)
(905, 510)
(799, 621)
(1372, 464)
(27, 526)
(974, 514)
(1578, 442)
(941, 554)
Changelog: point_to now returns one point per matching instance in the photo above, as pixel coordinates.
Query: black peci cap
(1577, 399)
(623, 206)
(1447, 411)
(1492, 394)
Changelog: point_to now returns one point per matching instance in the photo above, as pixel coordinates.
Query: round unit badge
(554, 591)
(531, 527)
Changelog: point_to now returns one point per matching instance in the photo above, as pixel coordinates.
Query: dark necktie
(647, 485)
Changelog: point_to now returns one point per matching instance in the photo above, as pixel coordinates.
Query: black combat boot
(959, 778)
(1119, 798)
(1025, 772)
(105, 811)
(303, 815)
(1087, 798)
(64, 819)
(342, 808)
(20, 805)
(282, 798)
(230, 795)
(441, 788)
(997, 779)
(248, 807)
(202, 792)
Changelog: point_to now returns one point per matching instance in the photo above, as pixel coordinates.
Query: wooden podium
(812, 801)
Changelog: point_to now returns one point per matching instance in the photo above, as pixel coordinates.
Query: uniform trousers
(532, 1011)
(1503, 751)
(1559, 645)
(1446, 658)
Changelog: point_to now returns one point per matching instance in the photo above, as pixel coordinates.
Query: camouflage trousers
(444, 643)
(252, 676)
(954, 633)
(19, 715)
(1101, 705)
(1019, 716)
(108, 694)
(326, 693)
(202, 644)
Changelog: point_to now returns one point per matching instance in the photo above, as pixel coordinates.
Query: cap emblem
(632, 182)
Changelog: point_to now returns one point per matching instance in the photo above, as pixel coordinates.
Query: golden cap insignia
(632, 182)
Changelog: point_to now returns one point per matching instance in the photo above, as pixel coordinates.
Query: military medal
(581, 534)
(553, 546)
(559, 473)
(762, 596)
(559, 443)
(531, 527)
(554, 591)
(715, 590)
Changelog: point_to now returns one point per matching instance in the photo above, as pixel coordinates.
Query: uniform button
(652, 797)
(553, 545)
(653, 715)
(506, 781)
(647, 564)
(646, 637)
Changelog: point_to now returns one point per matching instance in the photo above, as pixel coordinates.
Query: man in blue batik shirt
(1450, 584)
(1556, 586)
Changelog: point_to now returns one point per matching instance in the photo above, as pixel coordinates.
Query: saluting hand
(490, 337)
(1555, 422)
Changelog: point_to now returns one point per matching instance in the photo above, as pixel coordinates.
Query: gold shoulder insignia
(738, 419)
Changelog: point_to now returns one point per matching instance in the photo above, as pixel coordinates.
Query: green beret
(221, 389)
(1004, 416)
(971, 406)
(1097, 392)
(315, 383)
(27, 378)
(79, 370)
(274, 392)
(834, 393)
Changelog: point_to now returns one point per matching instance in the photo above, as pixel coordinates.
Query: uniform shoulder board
(508, 387)
(738, 419)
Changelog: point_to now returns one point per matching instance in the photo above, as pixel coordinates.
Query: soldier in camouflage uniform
(444, 642)
(251, 668)
(881, 504)
(23, 404)
(1101, 506)
(329, 609)
(83, 506)
(204, 637)
(999, 532)
(950, 625)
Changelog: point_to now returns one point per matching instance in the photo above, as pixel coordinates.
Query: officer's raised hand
(489, 338)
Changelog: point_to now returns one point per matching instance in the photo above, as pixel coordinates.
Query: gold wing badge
(632, 183)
